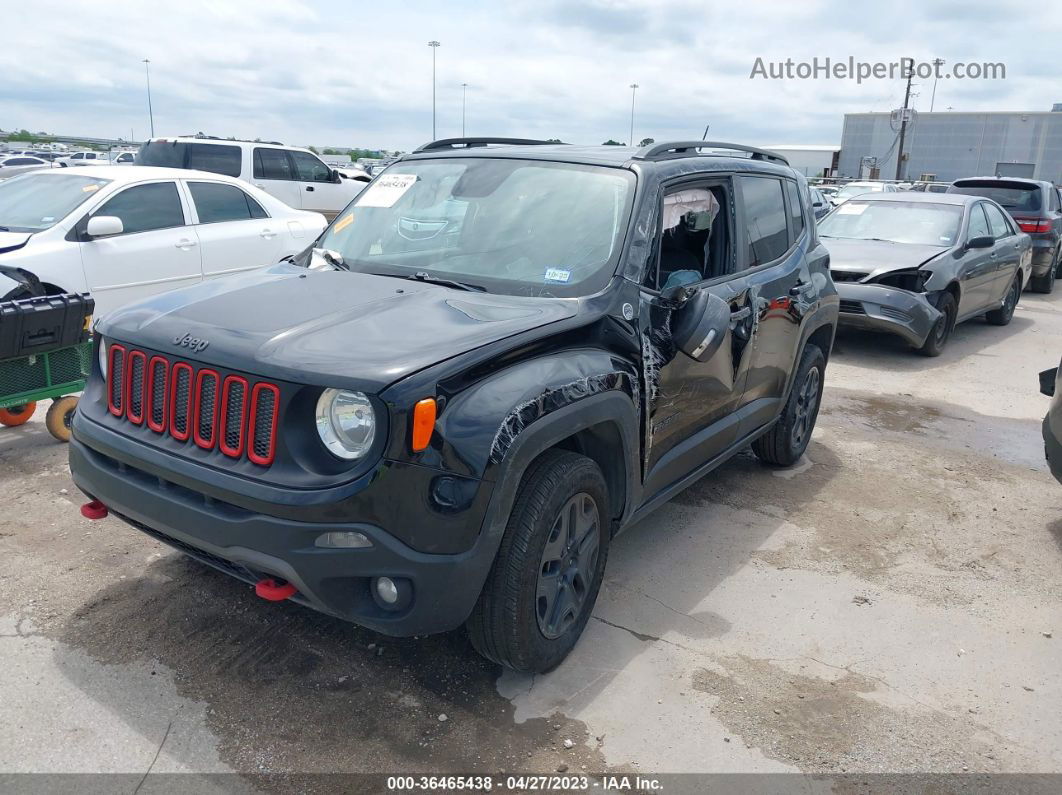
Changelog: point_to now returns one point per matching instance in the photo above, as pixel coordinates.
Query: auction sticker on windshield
(386, 190)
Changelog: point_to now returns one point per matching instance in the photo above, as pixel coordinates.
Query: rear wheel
(1046, 283)
(788, 438)
(17, 415)
(542, 588)
(938, 337)
(59, 416)
(1003, 315)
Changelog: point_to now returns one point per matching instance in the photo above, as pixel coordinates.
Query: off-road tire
(941, 331)
(504, 626)
(788, 438)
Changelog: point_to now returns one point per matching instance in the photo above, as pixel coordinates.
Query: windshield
(33, 202)
(848, 191)
(919, 223)
(1013, 196)
(520, 227)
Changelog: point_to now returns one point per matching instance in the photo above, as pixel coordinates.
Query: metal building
(951, 145)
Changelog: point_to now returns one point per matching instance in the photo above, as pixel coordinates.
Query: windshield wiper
(424, 276)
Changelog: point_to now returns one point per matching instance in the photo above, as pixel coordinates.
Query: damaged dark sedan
(914, 264)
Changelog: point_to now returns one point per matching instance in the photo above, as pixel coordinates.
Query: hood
(330, 328)
(877, 256)
(9, 241)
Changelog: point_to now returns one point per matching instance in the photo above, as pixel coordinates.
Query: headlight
(101, 347)
(346, 423)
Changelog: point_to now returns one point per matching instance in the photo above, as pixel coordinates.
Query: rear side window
(272, 164)
(215, 158)
(1054, 199)
(796, 211)
(765, 219)
(143, 208)
(215, 203)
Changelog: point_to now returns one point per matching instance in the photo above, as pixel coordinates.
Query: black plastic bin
(38, 325)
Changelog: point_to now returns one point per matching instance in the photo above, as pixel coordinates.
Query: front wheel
(788, 438)
(542, 588)
(941, 331)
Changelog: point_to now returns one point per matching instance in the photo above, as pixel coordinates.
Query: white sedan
(127, 232)
(20, 164)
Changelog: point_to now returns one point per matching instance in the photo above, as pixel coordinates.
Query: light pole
(634, 90)
(464, 90)
(937, 62)
(147, 76)
(434, 46)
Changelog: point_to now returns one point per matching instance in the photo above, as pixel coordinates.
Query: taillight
(1034, 225)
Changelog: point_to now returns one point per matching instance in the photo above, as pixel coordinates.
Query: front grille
(848, 276)
(852, 307)
(231, 416)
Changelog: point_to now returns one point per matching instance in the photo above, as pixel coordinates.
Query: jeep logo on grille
(190, 342)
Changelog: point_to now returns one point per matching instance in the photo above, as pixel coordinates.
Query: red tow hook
(271, 590)
(94, 510)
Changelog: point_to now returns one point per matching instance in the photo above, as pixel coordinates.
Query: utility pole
(634, 90)
(434, 46)
(937, 62)
(147, 76)
(903, 120)
(464, 90)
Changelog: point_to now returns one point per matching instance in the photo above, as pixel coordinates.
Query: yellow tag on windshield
(343, 223)
(90, 188)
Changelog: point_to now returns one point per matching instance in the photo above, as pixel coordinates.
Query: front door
(690, 405)
(1007, 251)
(156, 252)
(319, 192)
(978, 273)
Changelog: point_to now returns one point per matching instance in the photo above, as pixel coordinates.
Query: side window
(1000, 228)
(694, 236)
(766, 231)
(216, 158)
(146, 207)
(796, 210)
(215, 203)
(77, 156)
(272, 164)
(310, 169)
(1054, 200)
(978, 222)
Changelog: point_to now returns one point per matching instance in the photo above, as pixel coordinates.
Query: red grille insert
(232, 415)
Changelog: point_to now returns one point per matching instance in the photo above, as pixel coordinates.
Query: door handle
(259, 185)
(741, 314)
(309, 188)
(185, 244)
(267, 234)
(799, 288)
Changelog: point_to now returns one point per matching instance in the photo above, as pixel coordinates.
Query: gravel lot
(890, 604)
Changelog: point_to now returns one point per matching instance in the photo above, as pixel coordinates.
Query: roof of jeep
(614, 156)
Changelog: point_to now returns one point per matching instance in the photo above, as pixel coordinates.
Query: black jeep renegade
(497, 357)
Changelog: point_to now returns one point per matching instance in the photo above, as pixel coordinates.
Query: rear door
(235, 232)
(273, 172)
(158, 251)
(774, 213)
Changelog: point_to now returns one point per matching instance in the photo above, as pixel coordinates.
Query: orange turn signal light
(423, 423)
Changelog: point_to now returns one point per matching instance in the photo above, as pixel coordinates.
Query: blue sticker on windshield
(557, 275)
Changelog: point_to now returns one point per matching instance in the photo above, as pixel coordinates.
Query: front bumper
(878, 308)
(252, 546)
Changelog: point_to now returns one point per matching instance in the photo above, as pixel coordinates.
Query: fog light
(342, 539)
(386, 590)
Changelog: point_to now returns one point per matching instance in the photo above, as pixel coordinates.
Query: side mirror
(984, 241)
(1047, 381)
(336, 176)
(104, 226)
(700, 325)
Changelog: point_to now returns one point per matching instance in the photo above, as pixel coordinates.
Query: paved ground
(891, 604)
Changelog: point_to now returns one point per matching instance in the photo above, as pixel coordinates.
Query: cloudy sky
(359, 74)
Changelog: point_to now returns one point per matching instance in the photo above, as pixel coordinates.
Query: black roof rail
(672, 149)
(468, 143)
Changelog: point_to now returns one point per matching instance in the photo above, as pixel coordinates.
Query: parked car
(413, 438)
(846, 192)
(1051, 385)
(84, 159)
(128, 232)
(123, 158)
(915, 264)
(820, 205)
(20, 164)
(297, 177)
(931, 187)
(1036, 207)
